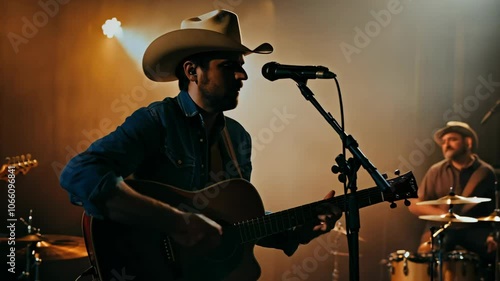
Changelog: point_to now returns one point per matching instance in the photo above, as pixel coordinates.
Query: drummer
(469, 176)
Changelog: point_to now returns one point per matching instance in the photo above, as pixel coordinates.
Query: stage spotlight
(112, 28)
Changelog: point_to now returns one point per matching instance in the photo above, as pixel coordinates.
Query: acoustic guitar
(120, 252)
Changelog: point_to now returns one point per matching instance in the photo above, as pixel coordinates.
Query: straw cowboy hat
(218, 30)
(457, 127)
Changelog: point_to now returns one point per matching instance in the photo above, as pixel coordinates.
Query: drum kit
(39, 247)
(457, 265)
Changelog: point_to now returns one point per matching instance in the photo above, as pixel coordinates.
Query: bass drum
(457, 266)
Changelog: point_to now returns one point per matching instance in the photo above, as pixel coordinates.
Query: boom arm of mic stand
(352, 210)
(349, 142)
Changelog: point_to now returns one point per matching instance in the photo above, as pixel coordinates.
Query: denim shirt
(164, 142)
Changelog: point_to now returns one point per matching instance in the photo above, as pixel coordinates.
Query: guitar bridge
(169, 251)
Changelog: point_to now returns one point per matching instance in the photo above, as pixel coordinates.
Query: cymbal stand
(334, 252)
(437, 235)
(497, 256)
(38, 261)
(497, 232)
(30, 253)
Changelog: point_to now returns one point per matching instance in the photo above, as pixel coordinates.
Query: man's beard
(456, 154)
(218, 103)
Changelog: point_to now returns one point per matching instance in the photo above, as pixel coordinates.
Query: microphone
(273, 71)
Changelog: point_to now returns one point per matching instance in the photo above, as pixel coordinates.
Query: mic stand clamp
(348, 171)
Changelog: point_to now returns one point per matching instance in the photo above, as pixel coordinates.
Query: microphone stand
(348, 170)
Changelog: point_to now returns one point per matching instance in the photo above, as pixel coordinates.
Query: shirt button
(203, 166)
(201, 140)
(179, 162)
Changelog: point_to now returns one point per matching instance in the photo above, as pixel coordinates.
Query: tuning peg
(393, 205)
(385, 175)
(23, 161)
(397, 172)
(407, 202)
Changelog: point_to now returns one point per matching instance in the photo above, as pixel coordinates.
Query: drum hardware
(339, 230)
(494, 218)
(45, 247)
(25, 239)
(449, 217)
(59, 247)
(458, 265)
(437, 234)
(450, 200)
(25, 274)
(453, 199)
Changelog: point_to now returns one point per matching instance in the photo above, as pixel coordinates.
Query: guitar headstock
(402, 187)
(20, 164)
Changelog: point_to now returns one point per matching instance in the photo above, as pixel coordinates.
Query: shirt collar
(187, 104)
(190, 109)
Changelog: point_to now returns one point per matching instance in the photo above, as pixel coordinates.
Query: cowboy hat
(457, 127)
(218, 30)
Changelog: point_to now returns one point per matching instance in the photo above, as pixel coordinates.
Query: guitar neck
(267, 225)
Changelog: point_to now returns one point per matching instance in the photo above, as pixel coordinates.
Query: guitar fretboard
(261, 227)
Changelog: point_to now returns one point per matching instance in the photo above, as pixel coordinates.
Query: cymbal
(38, 237)
(58, 238)
(341, 254)
(59, 247)
(493, 217)
(28, 238)
(448, 217)
(341, 230)
(454, 199)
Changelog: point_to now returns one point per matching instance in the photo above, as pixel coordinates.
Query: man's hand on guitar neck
(328, 215)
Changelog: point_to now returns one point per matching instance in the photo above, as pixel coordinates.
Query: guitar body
(120, 252)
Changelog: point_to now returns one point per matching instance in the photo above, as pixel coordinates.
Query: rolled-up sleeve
(90, 176)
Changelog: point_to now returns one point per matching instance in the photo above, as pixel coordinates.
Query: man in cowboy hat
(185, 142)
(464, 174)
